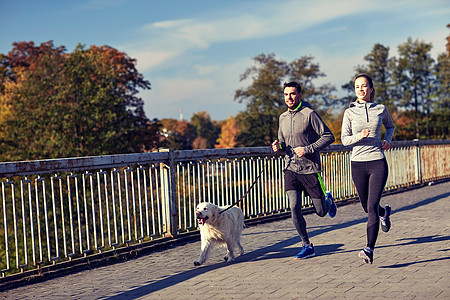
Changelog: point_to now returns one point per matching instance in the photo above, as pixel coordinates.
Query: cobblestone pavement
(411, 261)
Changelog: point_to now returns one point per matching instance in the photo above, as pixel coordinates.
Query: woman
(361, 128)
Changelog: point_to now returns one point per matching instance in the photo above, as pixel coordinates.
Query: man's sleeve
(326, 137)
(281, 136)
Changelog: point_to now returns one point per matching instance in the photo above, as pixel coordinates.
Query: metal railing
(55, 210)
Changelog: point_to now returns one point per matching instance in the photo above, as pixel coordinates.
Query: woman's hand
(365, 133)
(385, 145)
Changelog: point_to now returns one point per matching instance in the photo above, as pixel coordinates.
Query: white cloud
(168, 24)
(213, 93)
(149, 59)
(200, 81)
(179, 36)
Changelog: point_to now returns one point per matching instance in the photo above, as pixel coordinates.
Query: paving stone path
(411, 261)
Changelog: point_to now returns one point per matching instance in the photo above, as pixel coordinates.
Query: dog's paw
(197, 263)
(228, 259)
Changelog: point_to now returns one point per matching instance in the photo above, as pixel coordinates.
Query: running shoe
(333, 207)
(305, 252)
(367, 255)
(386, 220)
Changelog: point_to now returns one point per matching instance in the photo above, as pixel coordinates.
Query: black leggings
(311, 184)
(370, 178)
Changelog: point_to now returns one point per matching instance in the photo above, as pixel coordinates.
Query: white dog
(219, 228)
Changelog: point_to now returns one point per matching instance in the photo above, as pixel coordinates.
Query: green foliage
(413, 86)
(79, 104)
(379, 67)
(305, 71)
(206, 130)
(258, 125)
(178, 135)
(414, 77)
(441, 107)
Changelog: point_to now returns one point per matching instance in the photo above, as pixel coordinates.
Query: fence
(53, 211)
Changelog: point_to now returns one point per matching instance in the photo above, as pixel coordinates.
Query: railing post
(418, 162)
(168, 187)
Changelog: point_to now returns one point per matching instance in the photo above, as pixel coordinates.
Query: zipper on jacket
(367, 114)
(291, 136)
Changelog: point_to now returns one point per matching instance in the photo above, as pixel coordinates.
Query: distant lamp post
(448, 42)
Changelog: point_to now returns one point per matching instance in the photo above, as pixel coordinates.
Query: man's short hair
(293, 84)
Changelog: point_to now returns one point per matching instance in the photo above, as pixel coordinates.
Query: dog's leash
(253, 184)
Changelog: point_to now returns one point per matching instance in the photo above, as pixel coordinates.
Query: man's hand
(275, 146)
(300, 151)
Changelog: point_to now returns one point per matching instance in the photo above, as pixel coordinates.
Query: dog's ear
(214, 210)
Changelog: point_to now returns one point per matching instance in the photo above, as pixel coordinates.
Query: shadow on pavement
(283, 249)
(424, 239)
(423, 202)
(413, 263)
(278, 250)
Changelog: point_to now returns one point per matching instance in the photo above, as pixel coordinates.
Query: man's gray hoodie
(303, 127)
(367, 115)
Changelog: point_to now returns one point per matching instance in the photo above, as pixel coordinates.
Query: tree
(404, 125)
(413, 87)
(148, 136)
(228, 135)
(258, 124)
(305, 71)
(334, 122)
(78, 104)
(206, 131)
(178, 135)
(413, 75)
(379, 68)
(264, 99)
(441, 107)
(30, 122)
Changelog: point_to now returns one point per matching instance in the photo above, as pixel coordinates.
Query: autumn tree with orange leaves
(58, 104)
(228, 135)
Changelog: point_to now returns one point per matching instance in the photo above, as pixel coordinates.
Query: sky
(194, 52)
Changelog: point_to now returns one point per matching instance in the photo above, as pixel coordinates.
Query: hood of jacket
(363, 105)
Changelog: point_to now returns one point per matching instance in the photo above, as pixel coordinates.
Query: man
(302, 135)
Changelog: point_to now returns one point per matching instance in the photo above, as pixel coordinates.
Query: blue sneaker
(333, 208)
(305, 252)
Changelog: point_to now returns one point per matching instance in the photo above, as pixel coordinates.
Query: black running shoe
(367, 255)
(386, 220)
